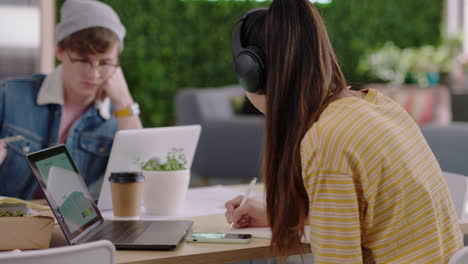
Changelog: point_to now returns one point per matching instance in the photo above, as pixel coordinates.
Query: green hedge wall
(172, 44)
(359, 26)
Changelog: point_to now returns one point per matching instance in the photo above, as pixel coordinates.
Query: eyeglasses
(104, 68)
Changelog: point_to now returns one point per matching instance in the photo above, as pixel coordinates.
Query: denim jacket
(32, 107)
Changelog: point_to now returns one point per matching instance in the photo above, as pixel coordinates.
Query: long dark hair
(303, 77)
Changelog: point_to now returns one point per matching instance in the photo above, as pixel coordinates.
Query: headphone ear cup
(250, 70)
(260, 59)
(247, 71)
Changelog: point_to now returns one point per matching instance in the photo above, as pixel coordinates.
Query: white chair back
(457, 185)
(102, 252)
(461, 257)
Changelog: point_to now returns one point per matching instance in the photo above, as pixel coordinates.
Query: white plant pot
(165, 192)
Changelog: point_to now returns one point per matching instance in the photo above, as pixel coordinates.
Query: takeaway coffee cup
(127, 192)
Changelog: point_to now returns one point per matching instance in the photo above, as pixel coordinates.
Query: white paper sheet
(200, 201)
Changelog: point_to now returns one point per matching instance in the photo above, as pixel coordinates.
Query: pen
(246, 196)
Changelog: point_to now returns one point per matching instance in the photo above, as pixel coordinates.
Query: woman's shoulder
(348, 119)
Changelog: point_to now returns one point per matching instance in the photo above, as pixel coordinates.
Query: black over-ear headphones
(249, 62)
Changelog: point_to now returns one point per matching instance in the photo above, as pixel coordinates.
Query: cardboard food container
(25, 232)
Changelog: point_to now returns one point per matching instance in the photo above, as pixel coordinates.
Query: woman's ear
(59, 52)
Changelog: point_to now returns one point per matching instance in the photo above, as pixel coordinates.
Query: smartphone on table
(218, 238)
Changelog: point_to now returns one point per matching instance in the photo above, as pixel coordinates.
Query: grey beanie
(76, 15)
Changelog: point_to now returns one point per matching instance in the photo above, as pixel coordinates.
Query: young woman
(349, 170)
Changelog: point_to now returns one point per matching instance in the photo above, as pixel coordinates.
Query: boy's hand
(116, 88)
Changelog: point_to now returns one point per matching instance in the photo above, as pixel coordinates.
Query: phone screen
(221, 236)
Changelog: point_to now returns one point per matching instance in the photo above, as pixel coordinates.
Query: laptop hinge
(86, 235)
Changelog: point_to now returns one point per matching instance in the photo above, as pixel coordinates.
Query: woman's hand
(251, 214)
(3, 151)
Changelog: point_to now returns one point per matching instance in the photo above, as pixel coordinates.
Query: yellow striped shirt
(377, 193)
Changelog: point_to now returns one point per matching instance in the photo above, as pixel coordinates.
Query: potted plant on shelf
(388, 63)
(424, 66)
(166, 183)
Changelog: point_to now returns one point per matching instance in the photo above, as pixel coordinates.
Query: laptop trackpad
(163, 233)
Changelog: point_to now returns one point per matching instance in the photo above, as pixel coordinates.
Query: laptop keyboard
(121, 231)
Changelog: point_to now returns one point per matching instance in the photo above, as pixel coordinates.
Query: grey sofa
(450, 145)
(230, 146)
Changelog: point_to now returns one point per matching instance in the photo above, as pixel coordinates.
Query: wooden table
(199, 252)
(193, 252)
(196, 252)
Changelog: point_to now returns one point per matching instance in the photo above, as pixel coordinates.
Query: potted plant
(388, 63)
(166, 183)
(422, 65)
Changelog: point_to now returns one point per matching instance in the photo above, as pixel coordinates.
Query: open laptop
(78, 215)
(143, 144)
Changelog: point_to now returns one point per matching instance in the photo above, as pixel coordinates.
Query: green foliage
(174, 44)
(175, 160)
(421, 65)
(359, 26)
(237, 102)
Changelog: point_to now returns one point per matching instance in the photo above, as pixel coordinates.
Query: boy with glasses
(81, 104)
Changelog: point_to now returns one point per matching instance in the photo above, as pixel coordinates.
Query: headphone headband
(248, 61)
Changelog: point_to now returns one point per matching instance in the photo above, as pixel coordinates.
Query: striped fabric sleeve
(334, 220)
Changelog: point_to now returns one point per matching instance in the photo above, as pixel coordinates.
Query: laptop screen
(65, 190)
(143, 144)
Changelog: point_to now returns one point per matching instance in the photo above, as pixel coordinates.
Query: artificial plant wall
(172, 44)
